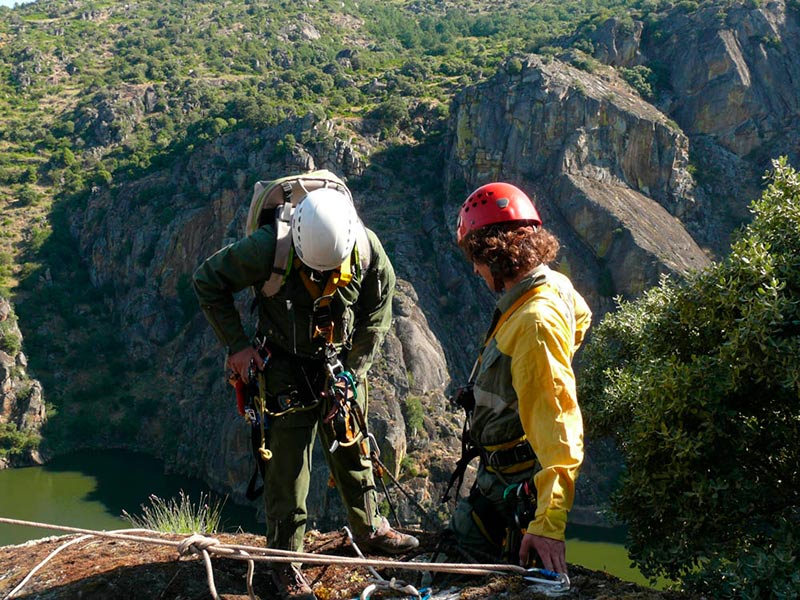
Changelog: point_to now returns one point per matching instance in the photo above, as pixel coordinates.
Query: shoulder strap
(498, 321)
(283, 249)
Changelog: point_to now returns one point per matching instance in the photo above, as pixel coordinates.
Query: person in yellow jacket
(525, 423)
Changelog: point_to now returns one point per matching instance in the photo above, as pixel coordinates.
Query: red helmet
(495, 203)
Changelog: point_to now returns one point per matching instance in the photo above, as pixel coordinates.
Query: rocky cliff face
(733, 73)
(610, 170)
(21, 401)
(729, 79)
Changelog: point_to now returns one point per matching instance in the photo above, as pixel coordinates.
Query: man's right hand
(239, 363)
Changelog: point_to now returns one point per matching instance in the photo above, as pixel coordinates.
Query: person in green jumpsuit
(335, 257)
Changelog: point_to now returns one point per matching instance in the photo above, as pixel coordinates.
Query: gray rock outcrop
(610, 169)
(21, 398)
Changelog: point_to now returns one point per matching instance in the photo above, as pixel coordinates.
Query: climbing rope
(380, 582)
(207, 546)
(27, 578)
(375, 457)
(200, 544)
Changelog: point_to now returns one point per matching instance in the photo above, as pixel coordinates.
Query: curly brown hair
(509, 249)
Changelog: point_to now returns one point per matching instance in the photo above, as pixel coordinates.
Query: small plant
(14, 442)
(179, 515)
(415, 415)
(10, 341)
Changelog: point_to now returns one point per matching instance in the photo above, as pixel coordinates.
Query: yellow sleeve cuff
(552, 523)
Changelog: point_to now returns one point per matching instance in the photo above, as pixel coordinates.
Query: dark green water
(91, 489)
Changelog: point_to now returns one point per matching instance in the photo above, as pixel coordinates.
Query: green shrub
(699, 382)
(414, 413)
(392, 112)
(640, 78)
(14, 442)
(10, 341)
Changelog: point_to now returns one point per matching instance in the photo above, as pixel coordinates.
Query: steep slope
(610, 169)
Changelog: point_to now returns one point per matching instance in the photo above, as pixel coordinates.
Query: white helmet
(324, 227)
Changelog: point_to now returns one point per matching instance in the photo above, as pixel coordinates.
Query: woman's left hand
(552, 552)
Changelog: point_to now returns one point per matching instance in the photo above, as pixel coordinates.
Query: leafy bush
(14, 442)
(392, 112)
(414, 413)
(641, 79)
(699, 382)
(10, 341)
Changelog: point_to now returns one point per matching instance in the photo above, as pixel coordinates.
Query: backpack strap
(283, 248)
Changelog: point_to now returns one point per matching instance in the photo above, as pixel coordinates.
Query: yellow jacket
(526, 386)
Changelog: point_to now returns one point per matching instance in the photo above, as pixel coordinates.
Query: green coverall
(361, 313)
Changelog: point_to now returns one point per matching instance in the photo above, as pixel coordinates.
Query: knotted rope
(206, 546)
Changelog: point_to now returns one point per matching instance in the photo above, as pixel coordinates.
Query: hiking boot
(387, 541)
(291, 584)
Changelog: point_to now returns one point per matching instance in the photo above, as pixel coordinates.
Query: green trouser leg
(286, 479)
(352, 472)
(288, 474)
(466, 523)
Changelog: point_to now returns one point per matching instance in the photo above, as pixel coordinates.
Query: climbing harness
(521, 502)
(465, 398)
(345, 416)
(251, 404)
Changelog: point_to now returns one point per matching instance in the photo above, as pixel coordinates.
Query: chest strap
(322, 321)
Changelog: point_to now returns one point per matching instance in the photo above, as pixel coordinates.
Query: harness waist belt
(509, 457)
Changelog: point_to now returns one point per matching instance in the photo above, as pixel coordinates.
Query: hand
(239, 363)
(552, 552)
(343, 389)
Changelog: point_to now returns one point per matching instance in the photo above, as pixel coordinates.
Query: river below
(90, 490)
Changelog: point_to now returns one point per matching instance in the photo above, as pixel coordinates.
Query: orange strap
(322, 297)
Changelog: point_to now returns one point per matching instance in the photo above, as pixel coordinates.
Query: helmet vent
(502, 202)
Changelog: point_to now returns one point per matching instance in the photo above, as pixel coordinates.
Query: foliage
(10, 341)
(14, 442)
(179, 515)
(699, 382)
(392, 113)
(640, 78)
(414, 413)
